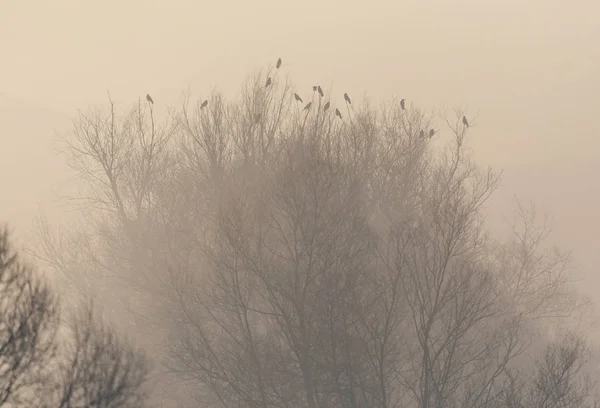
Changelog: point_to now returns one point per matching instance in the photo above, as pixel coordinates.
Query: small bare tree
(88, 366)
(99, 369)
(559, 379)
(28, 325)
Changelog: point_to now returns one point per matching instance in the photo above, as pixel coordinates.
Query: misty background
(526, 74)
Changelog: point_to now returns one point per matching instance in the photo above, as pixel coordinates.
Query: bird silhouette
(204, 104)
(337, 113)
(315, 88)
(268, 83)
(465, 121)
(421, 133)
(402, 104)
(308, 105)
(297, 97)
(149, 99)
(431, 132)
(320, 91)
(347, 98)
(326, 106)
(278, 63)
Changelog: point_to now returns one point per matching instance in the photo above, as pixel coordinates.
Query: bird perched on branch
(149, 99)
(308, 105)
(268, 83)
(320, 91)
(297, 97)
(278, 63)
(326, 106)
(465, 121)
(431, 132)
(337, 113)
(315, 88)
(204, 104)
(347, 98)
(402, 104)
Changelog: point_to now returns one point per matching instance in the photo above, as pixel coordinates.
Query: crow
(297, 97)
(402, 104)
(465, 122)
(278, 63)
(337, 113)
(326, 106)
(204, 104)
(268, 83)
(347, 98)
(149, 99)
(431, 132)
(308, 105)
(320, 91)
(421, 133)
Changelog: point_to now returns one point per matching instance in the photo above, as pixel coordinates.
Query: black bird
(402, 104)
(431, 132)
(204, 104)
(278, 63)
(326, 106)
(465, 122)
(297, 97)
(149, 99)
(315, 88)
(268, 82)
(421, 133)
(308, 105)
(337, 113)
(347, 98)
(320, 91)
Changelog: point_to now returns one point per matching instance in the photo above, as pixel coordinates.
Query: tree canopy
(276, 252)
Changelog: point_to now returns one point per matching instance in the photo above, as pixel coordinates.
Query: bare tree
(89, 366)
(298, 260)
(361, 316)
(99, 369)
(558, 379)
(28, 325)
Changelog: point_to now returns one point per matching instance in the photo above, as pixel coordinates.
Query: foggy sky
(529, 70)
